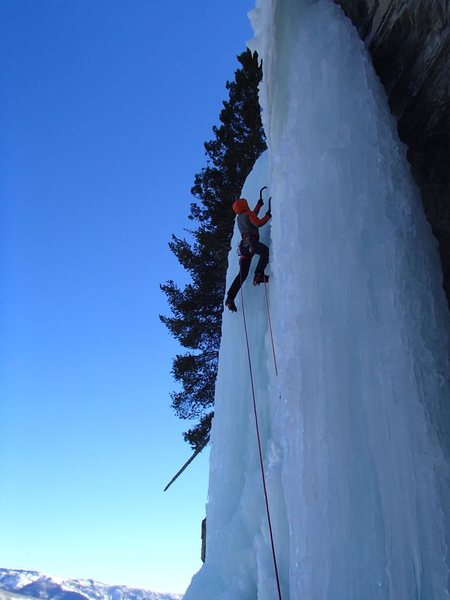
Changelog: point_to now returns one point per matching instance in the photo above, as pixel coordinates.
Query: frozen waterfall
(355, 427)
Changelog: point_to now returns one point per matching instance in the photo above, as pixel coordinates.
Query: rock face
(409, 41)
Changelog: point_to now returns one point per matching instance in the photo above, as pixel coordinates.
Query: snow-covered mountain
(5, 595)
(46, 587)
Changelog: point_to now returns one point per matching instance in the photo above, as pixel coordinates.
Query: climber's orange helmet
(240, 206)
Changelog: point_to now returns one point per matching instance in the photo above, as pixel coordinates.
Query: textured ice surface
(355, 428)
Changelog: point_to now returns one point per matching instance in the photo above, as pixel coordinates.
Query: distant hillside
(20, 585)
(5, 595)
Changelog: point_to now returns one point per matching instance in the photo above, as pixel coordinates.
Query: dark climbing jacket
(248, 220)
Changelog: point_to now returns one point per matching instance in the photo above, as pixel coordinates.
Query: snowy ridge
(6, 595)
(355, 428)
(48, 587)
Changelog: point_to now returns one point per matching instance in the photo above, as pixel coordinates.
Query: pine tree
(197, 309)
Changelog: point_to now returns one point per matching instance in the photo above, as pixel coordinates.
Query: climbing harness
(246, 247)
(263, 477)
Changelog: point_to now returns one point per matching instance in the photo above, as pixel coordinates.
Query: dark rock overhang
(409, 42)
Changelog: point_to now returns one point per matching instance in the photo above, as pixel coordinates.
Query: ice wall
(355, 428)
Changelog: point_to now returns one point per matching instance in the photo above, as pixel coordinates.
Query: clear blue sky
(104, 108)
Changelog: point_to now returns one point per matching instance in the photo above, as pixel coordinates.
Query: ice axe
(261, 198)
(260, 193)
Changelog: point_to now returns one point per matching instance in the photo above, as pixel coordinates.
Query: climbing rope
(270, 330)
(263, 477)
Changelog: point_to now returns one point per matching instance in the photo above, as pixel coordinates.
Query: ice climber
(249, 223)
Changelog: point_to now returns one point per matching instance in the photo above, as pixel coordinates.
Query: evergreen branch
(196, 318)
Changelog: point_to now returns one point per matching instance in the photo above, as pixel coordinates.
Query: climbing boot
(229, 303)
(260, 278)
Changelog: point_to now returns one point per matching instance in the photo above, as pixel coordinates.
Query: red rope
(263, 477)
(270, 329)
